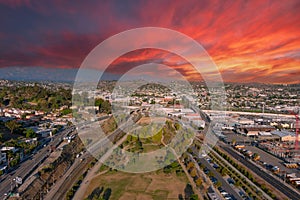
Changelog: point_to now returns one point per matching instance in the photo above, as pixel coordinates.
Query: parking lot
(270, 159)
(217, 177)
(237, 138)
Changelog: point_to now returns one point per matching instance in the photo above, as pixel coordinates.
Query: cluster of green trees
(27, 147)
(24, 147)
(103, 105)
(14, 161)
(35, 97)
(13, 126)
(16, 127)
(173, 167)
(84, 100)
(29, 133)
(66, 111)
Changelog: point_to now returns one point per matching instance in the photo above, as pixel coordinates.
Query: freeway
(28, 166)
(83, 124)
(278, 185)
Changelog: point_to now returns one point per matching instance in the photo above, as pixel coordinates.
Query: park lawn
(153, 185)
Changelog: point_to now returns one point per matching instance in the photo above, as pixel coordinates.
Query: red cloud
(249, 40)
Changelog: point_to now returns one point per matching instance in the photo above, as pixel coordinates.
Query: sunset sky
(250, 41)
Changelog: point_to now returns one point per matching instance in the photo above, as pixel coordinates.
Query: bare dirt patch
(169, 185)
(128, 195)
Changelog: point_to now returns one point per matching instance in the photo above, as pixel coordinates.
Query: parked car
(213, 179)
(215, 166)
(230, 181)
(206, 170)
(242, 194)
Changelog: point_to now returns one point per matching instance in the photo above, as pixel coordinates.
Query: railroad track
(72, 178)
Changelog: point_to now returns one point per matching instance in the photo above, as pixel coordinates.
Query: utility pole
(297, 130)
(296, 114)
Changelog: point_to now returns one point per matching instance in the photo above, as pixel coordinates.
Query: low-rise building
(13, 149)
(253, 130)
(285, 136)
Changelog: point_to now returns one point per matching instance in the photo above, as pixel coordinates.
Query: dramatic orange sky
(250, 41)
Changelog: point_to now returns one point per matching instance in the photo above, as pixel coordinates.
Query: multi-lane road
(290, 193)
(25, 168)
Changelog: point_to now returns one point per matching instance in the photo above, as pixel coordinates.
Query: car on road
(206, 170)
(230, 181)
(224, 193)
(213, 179)
(215, 166)
(203, 154)
(242, 194)
(229, 197)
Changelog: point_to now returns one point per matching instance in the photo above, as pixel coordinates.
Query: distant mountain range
(49, 74)
(68, 75)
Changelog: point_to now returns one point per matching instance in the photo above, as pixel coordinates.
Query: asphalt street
(26, 167)
(225, 184)
(271, 180)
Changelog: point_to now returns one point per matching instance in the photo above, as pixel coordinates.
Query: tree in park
(107, 194)
(12, 125)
